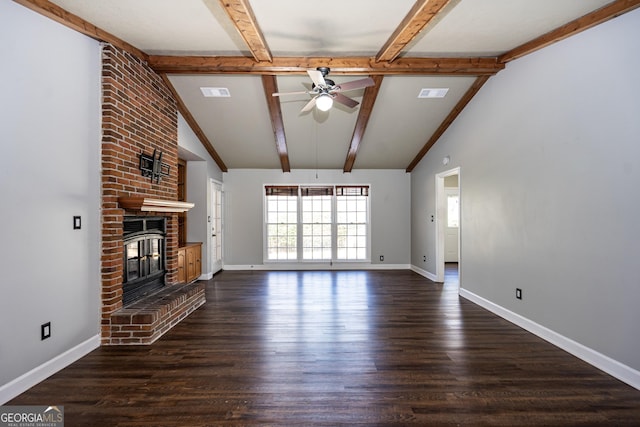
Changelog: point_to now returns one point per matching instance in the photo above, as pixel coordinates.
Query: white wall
(390, 211)
(49, 172)
(201, 169)
(549, 152)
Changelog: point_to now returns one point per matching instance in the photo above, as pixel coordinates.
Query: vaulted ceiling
(253, 48)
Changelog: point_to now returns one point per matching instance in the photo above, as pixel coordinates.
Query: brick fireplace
(139, 115)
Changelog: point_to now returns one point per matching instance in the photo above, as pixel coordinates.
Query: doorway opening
(448, 224)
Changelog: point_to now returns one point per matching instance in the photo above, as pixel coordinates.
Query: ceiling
(256, 47)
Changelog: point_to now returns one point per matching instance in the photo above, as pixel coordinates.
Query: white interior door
(216, 227)
(452, 225)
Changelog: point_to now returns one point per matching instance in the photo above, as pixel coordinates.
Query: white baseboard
(42, 372)
(605, 363)
(206, 276)
(424, 273)
(317, 266)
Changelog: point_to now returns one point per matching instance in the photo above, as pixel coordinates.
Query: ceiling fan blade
(302, 92)
(317, 78)
(345, 100)
(357, 84)
(309, 105)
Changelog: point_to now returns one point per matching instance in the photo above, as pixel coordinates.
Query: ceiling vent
(215, 92)
(433, 93)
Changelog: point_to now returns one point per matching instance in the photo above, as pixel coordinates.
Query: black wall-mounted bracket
(153, 167)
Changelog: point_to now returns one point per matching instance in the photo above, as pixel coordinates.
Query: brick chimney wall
(139, 115)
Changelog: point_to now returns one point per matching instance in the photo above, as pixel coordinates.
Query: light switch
(77, 223)
(45, 331)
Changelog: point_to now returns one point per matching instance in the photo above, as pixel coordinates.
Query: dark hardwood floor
(337, 348)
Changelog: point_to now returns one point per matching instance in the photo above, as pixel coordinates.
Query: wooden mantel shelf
(145, 204)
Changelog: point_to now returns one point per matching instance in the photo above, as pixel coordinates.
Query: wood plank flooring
(337, 348)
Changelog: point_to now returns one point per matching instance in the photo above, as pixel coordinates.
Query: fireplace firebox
(144, 257)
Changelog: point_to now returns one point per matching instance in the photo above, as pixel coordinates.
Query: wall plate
(45, 331)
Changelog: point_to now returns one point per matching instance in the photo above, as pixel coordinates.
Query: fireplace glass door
(133, 251)
(144, 258)
(154, 249)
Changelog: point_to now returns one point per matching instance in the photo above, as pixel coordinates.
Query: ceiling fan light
(324, 102)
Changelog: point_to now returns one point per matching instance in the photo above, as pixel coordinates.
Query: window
(317, 223)
(453, 211)
(352, 222)
(282, 223)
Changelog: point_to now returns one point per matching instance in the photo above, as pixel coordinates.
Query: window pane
(453, 211)
(282, 217)
(351, 253)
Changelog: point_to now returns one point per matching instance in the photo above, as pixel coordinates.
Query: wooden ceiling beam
(191, 121)
(366, 107)
(58, 14)
(421, 14)
(245, 22)
(474, 66)
(605, 13)
(270, 85)
(471, 92)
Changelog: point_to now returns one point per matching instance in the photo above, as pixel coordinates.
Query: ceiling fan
(325, 91)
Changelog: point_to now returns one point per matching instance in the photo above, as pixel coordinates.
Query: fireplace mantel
(145, 204)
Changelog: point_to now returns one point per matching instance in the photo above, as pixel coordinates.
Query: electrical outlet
(424, 258)
(518, 293)
(381, 257)
(45, 331)
(77, 222)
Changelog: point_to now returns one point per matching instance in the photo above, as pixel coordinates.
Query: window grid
(351, 226)
(316, 227)
(282, 227)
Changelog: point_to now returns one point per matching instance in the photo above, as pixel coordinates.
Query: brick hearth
(148, 319)
(139, 115)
